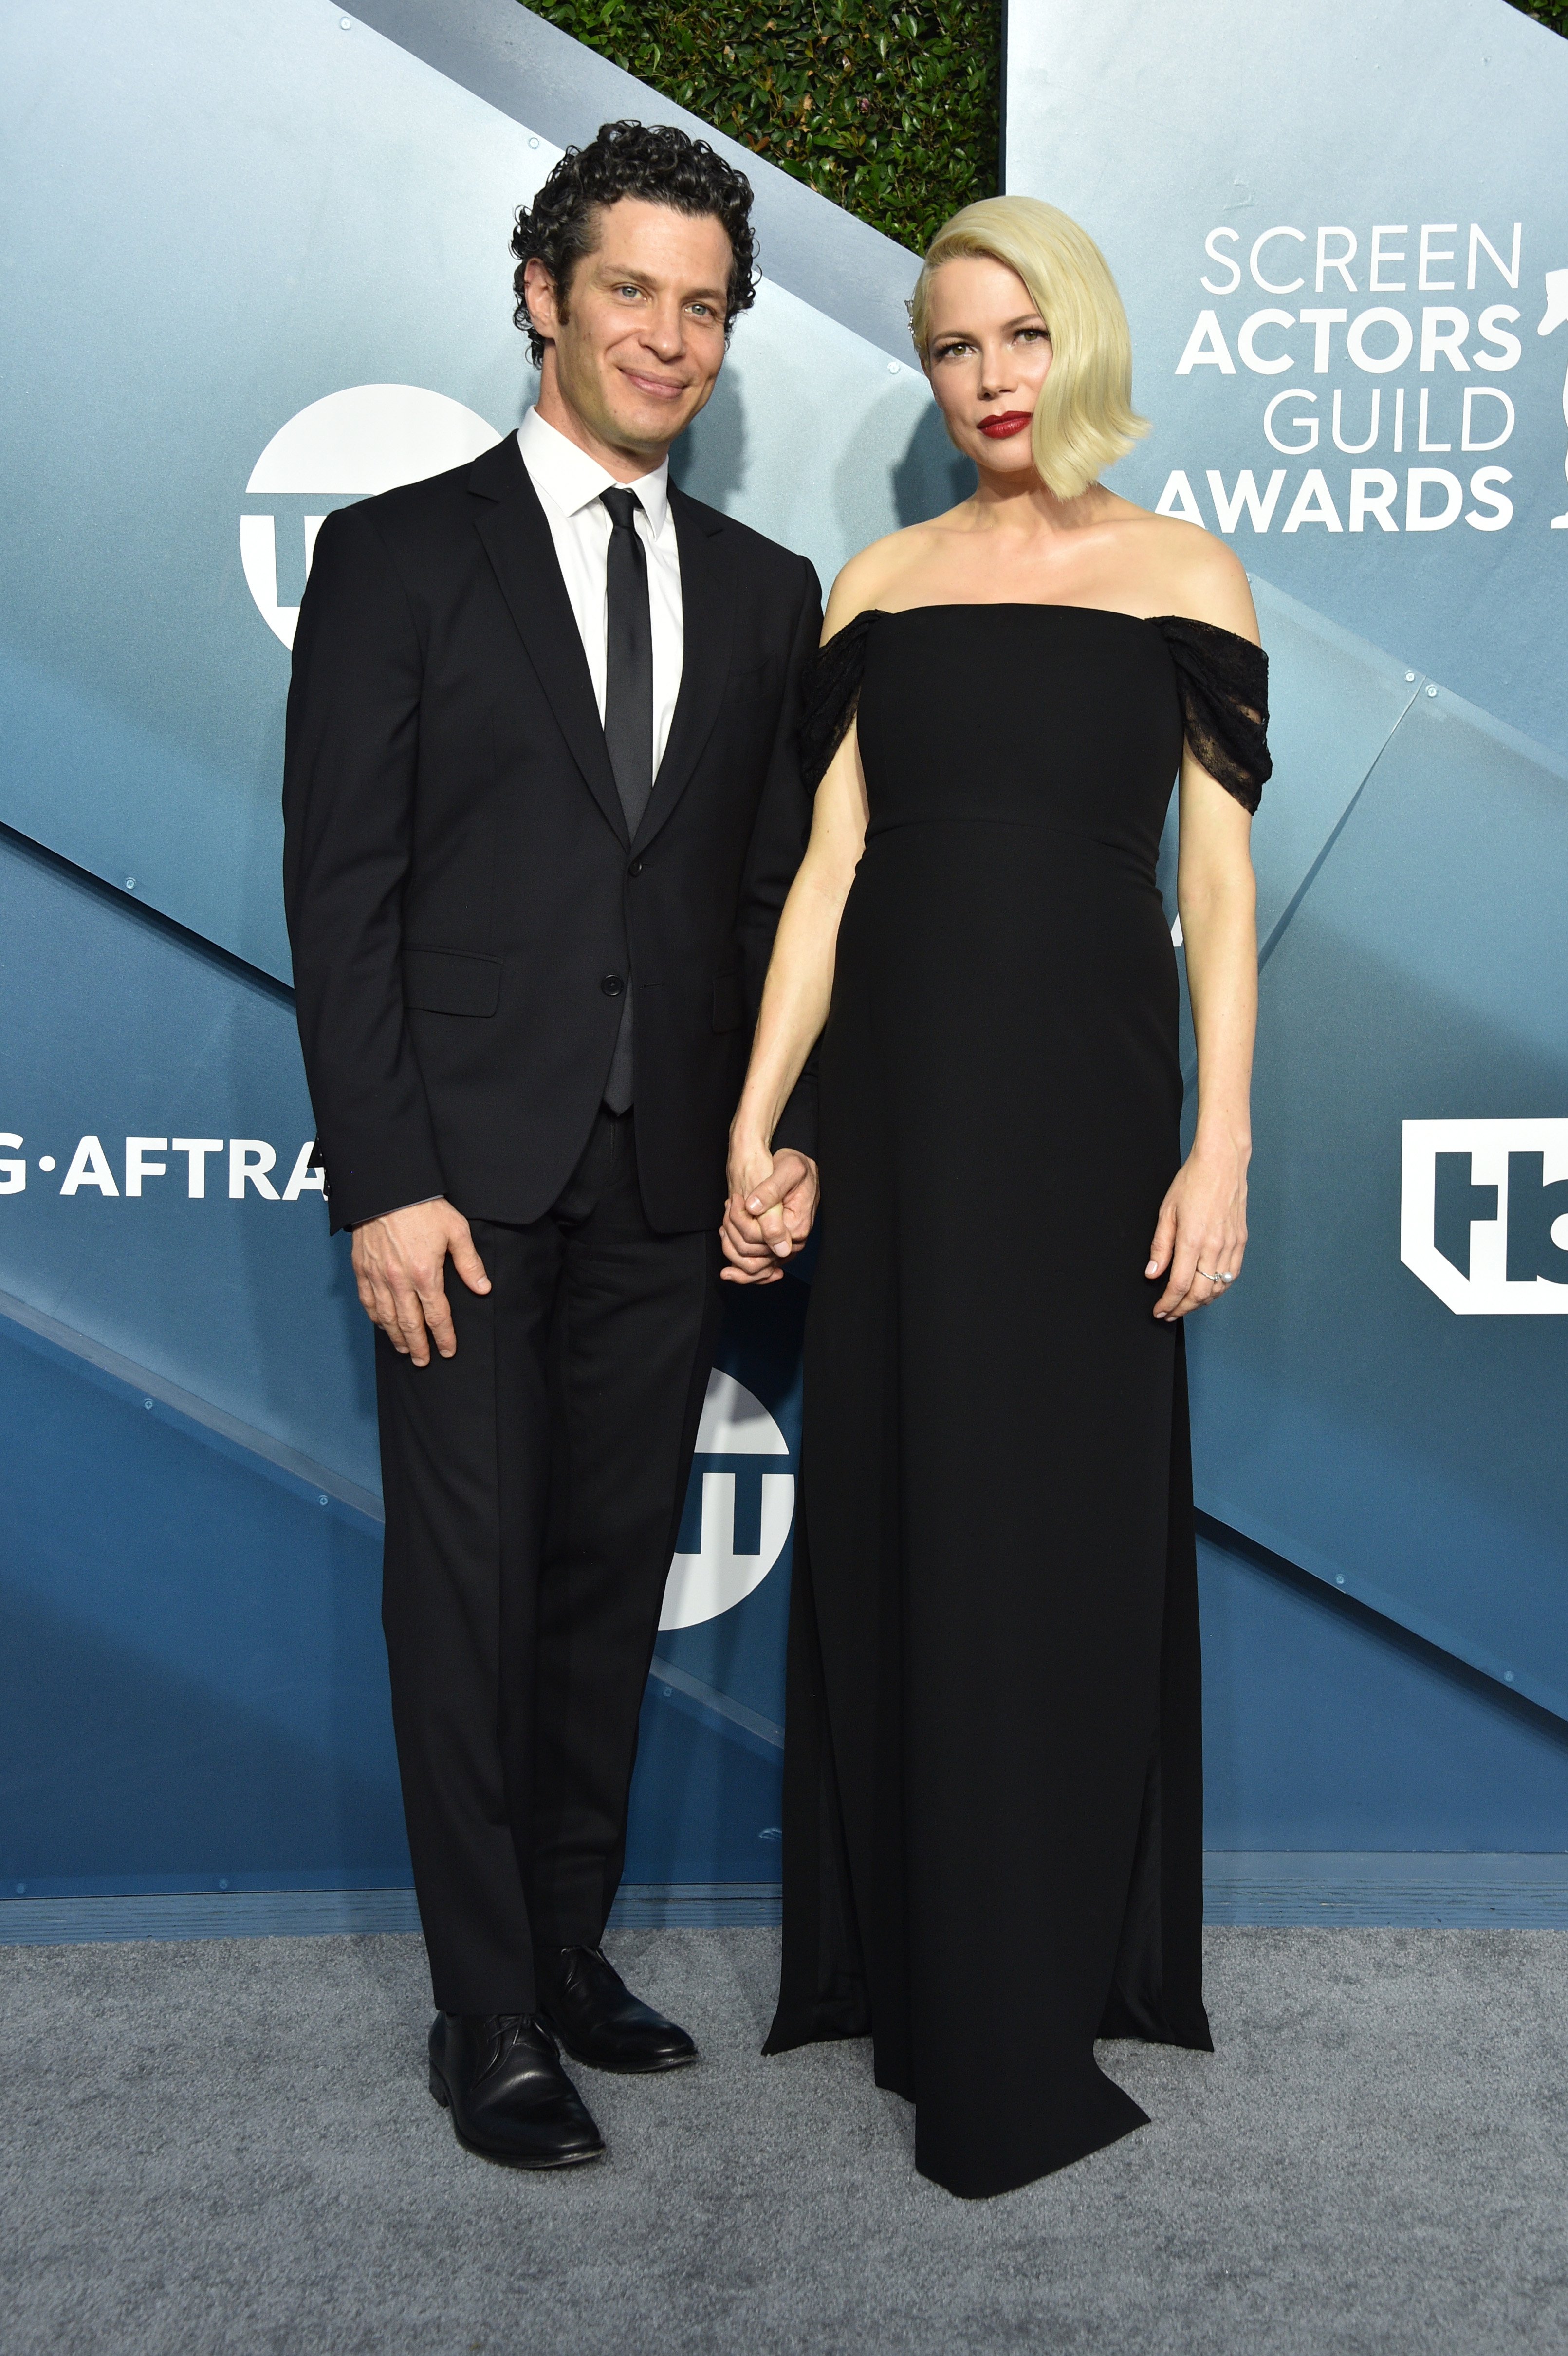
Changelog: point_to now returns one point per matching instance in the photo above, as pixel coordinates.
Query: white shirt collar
(574, 480)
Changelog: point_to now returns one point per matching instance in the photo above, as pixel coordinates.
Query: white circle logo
(349, 445)
(717, 1577)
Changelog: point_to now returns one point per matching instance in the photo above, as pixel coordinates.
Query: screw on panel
(1431, 690)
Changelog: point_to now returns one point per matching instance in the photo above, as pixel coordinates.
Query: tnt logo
(1484, 1215)
(742, 1511)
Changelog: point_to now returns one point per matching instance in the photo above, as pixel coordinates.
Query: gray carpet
(227, 2146)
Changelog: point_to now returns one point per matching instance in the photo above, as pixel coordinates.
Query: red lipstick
(1010, 421)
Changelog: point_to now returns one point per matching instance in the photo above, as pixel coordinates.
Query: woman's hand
(772, 1200)
(1201, 1233)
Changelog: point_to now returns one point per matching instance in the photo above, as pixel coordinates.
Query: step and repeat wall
(257, 267)
(1342, 236)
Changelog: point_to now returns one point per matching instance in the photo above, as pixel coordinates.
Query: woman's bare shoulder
(1186, 570)
(873, 577)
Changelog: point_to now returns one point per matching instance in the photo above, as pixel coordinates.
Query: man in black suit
(542, 806)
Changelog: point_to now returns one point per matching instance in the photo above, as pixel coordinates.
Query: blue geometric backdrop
(216, 219)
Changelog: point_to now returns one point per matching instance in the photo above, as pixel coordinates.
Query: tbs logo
(367, 438)
(1484, 1215)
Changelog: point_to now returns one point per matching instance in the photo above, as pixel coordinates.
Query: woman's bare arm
(757, 1232)
(1201, 1233)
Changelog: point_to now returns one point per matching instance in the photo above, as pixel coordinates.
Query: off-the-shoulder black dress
(993, 1782)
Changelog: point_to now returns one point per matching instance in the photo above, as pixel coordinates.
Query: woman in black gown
(993, 1785)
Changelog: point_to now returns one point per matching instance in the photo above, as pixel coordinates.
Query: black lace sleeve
(1224, 683)
(832, 696)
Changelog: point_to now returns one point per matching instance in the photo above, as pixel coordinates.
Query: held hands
(772, 1200)
(400, 1266)
(1201, 1233)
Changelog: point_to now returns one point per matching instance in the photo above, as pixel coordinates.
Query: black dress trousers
(534, 1485)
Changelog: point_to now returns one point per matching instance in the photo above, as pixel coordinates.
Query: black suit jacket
(464, 903)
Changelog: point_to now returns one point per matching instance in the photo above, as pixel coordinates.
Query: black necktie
(629, 660)
(628, 716)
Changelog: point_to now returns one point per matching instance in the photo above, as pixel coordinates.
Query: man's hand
(400, 1266)
(772, 1200)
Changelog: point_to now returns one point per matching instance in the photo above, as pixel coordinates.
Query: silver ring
(1218, 1279)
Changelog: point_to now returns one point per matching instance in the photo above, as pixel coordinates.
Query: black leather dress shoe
(598, 2019)
(499, 2076)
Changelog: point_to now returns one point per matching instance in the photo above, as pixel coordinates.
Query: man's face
(640, 346)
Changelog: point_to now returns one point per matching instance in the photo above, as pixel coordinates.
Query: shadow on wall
(709, 462)
(932, 476)
(712, 459)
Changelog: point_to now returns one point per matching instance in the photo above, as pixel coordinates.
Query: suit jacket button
(612, 985)
(636, 867)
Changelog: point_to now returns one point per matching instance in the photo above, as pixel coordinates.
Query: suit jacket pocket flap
(750, 686)
(450, 981)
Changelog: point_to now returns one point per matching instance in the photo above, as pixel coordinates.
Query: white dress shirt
(569, 483)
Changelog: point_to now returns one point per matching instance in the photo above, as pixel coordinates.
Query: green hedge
(891, 111)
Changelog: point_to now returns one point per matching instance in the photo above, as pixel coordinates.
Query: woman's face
(988, 354)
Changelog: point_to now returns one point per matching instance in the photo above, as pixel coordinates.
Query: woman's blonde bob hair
(1084, 418)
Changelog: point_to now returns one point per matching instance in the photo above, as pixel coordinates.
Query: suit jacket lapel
(517, 538)
(708, 626)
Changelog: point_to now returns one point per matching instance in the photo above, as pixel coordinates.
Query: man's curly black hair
(653, 161)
